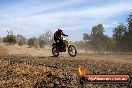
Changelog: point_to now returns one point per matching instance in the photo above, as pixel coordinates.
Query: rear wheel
(55, 51)
(72, 51)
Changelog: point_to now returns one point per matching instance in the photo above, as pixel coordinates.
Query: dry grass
(50, 72)
(20, 75)
(3, 50)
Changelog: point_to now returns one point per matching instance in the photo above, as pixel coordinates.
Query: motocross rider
(58, 38)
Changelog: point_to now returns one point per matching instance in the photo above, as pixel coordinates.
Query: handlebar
(66, 35)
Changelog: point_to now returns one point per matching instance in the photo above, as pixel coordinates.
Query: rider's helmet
(60, 30)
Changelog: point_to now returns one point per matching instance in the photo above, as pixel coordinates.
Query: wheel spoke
(72, 51)
(55, 52)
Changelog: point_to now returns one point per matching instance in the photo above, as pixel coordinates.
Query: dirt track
(64, 69)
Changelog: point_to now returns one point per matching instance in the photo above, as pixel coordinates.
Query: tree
(97, 37)
(10, 38)
(41, 41)
(128, 34)
(118, 35)
(32, 42)
(21, 40)
(86, 39)
(97, 31)
(129, 21)
(108, 44)
(46, 38)
(98, 41)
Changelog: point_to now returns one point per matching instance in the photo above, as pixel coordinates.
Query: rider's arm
(66, 35)
(63, 34)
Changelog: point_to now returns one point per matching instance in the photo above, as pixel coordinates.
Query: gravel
(61, 72)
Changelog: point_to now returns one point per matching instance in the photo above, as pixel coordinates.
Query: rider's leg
(61, 43)
(57, 42)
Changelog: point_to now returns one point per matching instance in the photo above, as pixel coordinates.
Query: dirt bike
(66, 44)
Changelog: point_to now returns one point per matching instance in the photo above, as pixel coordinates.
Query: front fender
(68, 45)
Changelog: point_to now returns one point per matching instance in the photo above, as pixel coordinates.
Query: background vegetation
(120, 41)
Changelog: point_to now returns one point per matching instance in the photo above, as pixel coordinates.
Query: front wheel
(55, 51)
(72, 50)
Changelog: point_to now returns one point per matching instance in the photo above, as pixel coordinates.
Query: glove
(66, 35)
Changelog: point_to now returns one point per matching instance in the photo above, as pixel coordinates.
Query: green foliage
(123, 36)
(98, 39)
(42, 43)
(129, 21)
(118, 35)
(45, 39)
(108, 44)
(128, 34)
(97, 31)
(21, 40)
(86, 37)
(86, 43)
(10, 38)
(31, 41)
